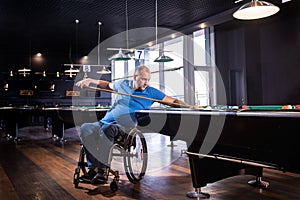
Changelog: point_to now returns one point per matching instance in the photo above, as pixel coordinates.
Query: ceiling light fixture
(104, 70)
(162, 57)
(72, 71)
(24, 71)
(98, 46)
(5, 87)
(120, 56)
(76, 38)
(255, 10)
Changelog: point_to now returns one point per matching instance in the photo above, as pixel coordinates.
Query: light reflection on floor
(161, 151)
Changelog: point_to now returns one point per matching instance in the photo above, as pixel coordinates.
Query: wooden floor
(38, 168)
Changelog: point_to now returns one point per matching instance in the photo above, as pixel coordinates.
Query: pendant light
(104, 69)
(26, 71)
(120, 56)
(72, 71)
(255, 10)
(162, 57)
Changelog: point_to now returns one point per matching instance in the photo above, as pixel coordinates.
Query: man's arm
(102, 84)
(170, 101)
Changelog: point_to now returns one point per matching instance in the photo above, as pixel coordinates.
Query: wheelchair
(132, 147)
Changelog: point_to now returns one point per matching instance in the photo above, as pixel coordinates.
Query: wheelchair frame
(133, 149)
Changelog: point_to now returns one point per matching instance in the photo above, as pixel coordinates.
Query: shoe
(89, 175)
(101, 177)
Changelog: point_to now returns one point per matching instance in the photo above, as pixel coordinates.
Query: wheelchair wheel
(135, 156)
(114, 185)
(81, 161)
(81, 166)
(76, 177)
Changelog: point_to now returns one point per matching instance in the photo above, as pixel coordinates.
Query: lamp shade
(72, 71)
(104, 70)
(120, 56)
(255, 10)
(163, 58)
(24, 71)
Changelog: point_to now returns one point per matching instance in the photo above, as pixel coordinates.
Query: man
(98, 137)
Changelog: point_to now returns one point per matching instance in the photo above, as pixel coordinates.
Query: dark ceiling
(48, 26)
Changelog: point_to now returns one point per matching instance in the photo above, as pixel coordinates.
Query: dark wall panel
(267, 52)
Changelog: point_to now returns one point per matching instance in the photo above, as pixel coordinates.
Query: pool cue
(137, 96)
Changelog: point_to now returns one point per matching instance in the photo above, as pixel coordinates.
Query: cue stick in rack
(137, 96)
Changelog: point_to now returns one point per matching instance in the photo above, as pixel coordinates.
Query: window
(118, 70)
(190, 79)
(204, 68)
(201, 87)
(173, 71)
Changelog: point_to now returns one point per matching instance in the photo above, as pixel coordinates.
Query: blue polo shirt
(122, 111)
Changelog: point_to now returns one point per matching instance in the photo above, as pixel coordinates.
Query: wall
(266, 52)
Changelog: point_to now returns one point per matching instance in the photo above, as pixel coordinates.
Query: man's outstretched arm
(170, 101)
(102, 84)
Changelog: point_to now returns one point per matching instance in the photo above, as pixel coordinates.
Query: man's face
(142, 80)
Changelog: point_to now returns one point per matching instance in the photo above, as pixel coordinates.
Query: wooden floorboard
(40, 168)
(7, 190)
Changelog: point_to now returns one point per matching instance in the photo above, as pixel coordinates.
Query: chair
(132, 147)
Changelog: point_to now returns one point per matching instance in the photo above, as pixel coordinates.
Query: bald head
(141, 69)
(141, 77)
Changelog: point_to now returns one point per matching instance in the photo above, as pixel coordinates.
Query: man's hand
(102, 84)
(170, 101)
(181, 104)
(84, 83)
